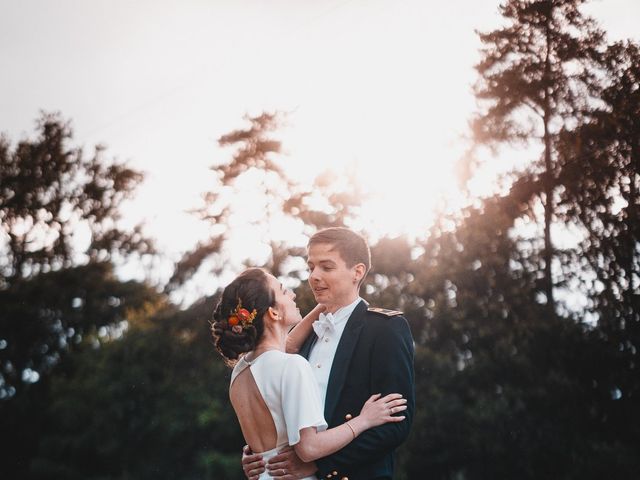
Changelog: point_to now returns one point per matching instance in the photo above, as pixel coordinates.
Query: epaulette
(384, 311)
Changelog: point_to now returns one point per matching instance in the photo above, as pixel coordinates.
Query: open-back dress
(290, 392)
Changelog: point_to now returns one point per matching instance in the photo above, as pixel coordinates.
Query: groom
(355, 351)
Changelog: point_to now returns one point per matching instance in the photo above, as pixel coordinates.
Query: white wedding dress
(290, 391)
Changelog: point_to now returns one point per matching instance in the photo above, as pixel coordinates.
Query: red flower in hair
(241, 318)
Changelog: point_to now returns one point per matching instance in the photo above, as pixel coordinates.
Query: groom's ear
(359, 270)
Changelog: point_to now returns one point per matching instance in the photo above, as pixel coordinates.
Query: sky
(380, 86)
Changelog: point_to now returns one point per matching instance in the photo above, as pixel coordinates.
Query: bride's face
(285, 302)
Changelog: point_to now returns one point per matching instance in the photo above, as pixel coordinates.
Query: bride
(274, 393)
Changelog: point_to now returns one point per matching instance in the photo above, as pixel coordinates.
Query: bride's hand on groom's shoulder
(252, 464)
(286, 465)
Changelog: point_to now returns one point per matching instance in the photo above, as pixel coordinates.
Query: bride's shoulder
(295, 361)
(296, 368)
(288, 364)
(294, 357)
(280, 357)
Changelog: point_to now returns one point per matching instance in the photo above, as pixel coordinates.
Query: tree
(601, 171)
(54, 199)
(45, 317)
(151, 405)
(506, 391)
(47, 321)
(272, 204)
(537, 75)
(59, 227)
(51, 196)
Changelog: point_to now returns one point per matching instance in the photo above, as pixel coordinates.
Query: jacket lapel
(342, 358)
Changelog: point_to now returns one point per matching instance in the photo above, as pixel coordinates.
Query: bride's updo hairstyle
(250, 290)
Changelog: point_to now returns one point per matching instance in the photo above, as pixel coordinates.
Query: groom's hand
(252, 464)
(287, 466)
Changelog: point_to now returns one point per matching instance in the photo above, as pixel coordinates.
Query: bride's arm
(301, 331)
(376, 411)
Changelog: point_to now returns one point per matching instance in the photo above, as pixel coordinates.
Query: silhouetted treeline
(526, 343)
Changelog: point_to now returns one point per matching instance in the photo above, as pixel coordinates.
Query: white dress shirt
(322, 353)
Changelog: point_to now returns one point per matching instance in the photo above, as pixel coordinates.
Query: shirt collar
(342, 314)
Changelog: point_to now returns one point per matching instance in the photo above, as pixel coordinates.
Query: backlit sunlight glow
(403, 158)
(390, 106)
(376, 87)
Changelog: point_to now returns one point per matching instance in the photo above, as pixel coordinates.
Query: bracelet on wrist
(352, 430)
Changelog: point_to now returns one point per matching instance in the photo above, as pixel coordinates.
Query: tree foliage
(254, 181)
(506, 391)
(151, 405)
(43, 318)
(45, 322)
(505, 387)
(52, 195)
(601, 171)
(59, 217)
(537, 75)
(53, 198)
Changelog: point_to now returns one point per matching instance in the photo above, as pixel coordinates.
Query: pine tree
(254, 180)
(601, 173)
(536, 76)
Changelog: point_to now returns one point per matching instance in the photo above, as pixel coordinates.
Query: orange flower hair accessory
(240, 318)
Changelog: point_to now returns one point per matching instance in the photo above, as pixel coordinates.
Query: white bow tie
(324, 324)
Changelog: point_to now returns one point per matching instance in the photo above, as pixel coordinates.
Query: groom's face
(333, 283)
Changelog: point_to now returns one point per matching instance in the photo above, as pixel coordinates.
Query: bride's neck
(272, 339)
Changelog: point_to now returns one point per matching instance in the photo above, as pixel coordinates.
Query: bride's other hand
(252, 464)
(286, 465)
(377, 411)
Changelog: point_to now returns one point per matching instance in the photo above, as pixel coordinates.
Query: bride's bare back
(256, 422)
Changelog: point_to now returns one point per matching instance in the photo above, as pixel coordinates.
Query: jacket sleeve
(392, 372)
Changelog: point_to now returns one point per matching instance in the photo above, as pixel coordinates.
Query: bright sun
(406, 175)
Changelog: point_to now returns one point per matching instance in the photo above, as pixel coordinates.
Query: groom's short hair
(351, 246)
